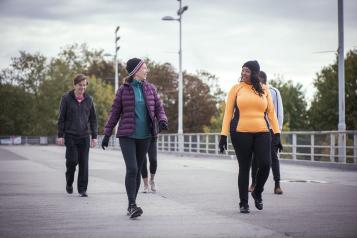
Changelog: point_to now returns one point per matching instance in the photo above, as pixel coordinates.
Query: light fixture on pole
(116, 80)
(180, 11)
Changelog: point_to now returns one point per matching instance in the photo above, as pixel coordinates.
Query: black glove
(163, 125)
(222, 144)
(277, 142)
(105, 142)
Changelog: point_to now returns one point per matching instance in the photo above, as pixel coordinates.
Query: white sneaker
(152, 185)
(146, 189)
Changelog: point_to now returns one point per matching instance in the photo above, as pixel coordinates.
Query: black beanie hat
(133, 65)
(252, 65)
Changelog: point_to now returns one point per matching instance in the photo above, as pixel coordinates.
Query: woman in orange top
(244, 119)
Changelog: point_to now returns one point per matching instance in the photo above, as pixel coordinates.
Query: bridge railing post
(294, 146)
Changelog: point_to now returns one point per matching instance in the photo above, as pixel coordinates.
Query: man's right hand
(105, 142)
(60, 141)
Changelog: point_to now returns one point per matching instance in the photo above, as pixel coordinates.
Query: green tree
(215, 125)
(103, 95)
(294, 103)
(16, 110)
(323, 112)
(199, 104)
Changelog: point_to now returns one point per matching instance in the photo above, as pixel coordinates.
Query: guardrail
(303, 145)
(299, 145)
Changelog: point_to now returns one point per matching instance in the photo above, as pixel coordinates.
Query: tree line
(32, 85)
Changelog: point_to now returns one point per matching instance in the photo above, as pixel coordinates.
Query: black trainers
(258, 201)
(69, 189)
(83, 194)
(244, 208)
(134, 211)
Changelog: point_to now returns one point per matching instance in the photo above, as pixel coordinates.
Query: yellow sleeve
(228, 112)
(274, 124)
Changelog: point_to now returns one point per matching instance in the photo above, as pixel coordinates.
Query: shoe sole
(244, 212)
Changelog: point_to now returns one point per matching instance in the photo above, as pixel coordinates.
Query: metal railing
(298, 145)
(303, 145)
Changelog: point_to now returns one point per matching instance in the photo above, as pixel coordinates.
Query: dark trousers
(275, 166)
(245, 144)
(77, 151)
(152, 152)
(134, 151)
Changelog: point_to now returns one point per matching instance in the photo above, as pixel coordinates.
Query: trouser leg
(243, 145)
(275, 165)
(262, 154)
(134, 151)
(144, 169)
(142, 146)
(71, 160)
(254, 170)
(153, 155)
(83, 157)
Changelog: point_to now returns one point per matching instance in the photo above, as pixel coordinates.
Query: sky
(285, 36)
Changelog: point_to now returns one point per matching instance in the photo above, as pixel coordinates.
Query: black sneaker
(134, 211)
(244, 208)
(258, 201)
(83, 194)
(69, 189)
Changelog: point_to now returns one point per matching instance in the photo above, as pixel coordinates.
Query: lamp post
(180, 11)
(341, 88)
(116, 80)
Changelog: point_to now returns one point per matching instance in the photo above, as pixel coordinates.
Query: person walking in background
(76, 112)
(138, 109)
(152, 154)
(275, 166)
(247, 103)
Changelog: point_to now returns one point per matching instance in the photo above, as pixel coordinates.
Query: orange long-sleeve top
(252, 109)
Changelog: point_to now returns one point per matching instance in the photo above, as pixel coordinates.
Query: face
(142, 72)
(80, 87)
(245, 74)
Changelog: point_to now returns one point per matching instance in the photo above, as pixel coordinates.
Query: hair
(128, 79)
(256, 83)
(79, 78)
(262, 77)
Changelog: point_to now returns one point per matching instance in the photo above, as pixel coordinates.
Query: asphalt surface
(197, 197)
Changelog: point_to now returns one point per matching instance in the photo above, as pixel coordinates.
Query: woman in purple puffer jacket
(137, 108)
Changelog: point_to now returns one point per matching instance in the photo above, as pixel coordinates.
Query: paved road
(197, 198)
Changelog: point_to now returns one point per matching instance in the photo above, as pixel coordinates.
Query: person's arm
(114, 114)
(159, 108)
(274, 125)
(62, 117)
(280, 110)
(93, 122)
(228, 112)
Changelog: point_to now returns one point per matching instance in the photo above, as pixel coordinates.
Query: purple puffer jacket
(123, 110)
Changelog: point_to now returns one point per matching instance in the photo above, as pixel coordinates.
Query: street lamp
(341, 87)
(180, 11)
(116, 80)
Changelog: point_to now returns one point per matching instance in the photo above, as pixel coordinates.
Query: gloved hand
(105, 142)
(163, 125)
(223, 144)
(277, 142)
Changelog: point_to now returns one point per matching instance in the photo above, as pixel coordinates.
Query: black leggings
(275, 165)
(152, 159)
(245, 144)
(134, 151)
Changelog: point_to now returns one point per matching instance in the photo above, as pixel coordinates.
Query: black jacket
(74, 117)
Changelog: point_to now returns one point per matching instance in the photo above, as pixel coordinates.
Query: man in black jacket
(76, 112)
